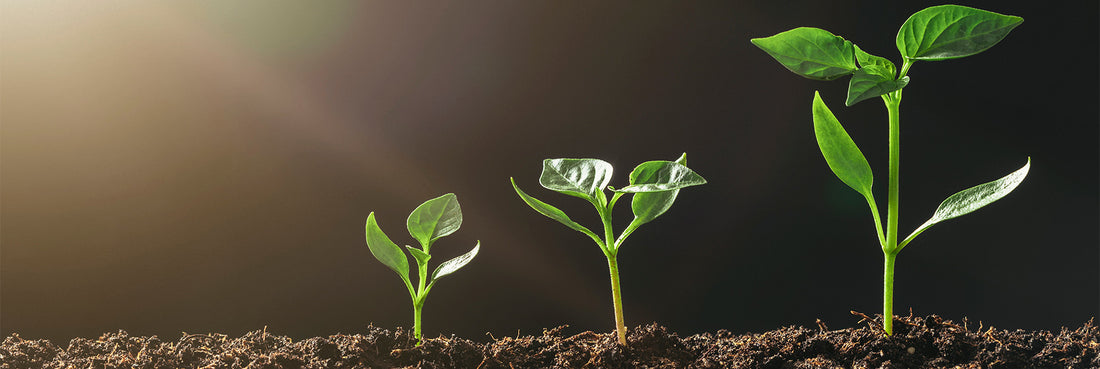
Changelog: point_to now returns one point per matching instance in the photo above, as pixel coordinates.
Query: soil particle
(918, 342)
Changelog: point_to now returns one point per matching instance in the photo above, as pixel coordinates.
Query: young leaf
(971, 199)
(952, 31)
(554, 213)
(660, 175)
(450, 266)
(385, 250)
(435, 218)
(582, 178)
(844, 158)
(872, 81)
(866, 60)
(420, 256)
(648, 205)
(811, 52)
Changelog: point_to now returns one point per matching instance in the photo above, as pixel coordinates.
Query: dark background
(208, 166)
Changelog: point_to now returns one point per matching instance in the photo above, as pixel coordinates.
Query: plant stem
(418, 302)
(617, 297)
(418, 307)
(889, 249)
(888, 294)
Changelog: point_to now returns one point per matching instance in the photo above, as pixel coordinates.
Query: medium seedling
(653, 188)
(429, 222)
(933, 34)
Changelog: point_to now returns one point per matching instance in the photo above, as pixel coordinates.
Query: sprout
(936, 33)
(429, 222)
(653, 187)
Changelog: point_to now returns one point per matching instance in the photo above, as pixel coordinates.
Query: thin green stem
(888, 294)
(616, 296)
(418, 301)
(892, 107)
(418, 307)
(890, 246)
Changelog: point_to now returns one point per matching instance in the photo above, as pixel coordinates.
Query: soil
(918, 342)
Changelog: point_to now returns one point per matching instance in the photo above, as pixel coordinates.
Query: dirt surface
(918, 342)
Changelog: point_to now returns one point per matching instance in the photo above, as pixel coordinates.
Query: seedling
(933, 34)
(653, 187)
(429, 222)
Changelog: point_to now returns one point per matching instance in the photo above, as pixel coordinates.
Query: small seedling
(653, 187)
(429, 222)
(933, 34)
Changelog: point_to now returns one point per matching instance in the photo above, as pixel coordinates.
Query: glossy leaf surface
(844, 158)
(435, 218)
(952, 31)
(450, 266)
(420, 256)
(973, 198)
(576, 177)
(554, 213)
(872, 81)
(866, 60)
(811, 52)
(385, 250)
(660, 175)
(649, 205)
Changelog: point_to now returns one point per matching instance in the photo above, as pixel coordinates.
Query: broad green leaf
(811, 52)
(649, 205)
(865, 60)
(450, 266)
(872, 81)
(435, 218)
(844, 158)
(952, 31)
(420, 256)
(582, 178)
(971, 199)
(554, 213)
(385, 250)
(660, 175)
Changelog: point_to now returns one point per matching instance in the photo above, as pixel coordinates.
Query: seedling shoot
(429, 222)
(933, 34)
(653, 187)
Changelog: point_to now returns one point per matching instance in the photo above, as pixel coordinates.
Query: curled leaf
(435, 218)
(971, 199)
(450, 266)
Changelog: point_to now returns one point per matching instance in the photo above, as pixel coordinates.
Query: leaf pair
(849, 164)
(654, 185)
(430, 221)
(936, 33)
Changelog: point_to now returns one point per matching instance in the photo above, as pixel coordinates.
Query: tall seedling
(429, 222)
(933, 34)
(653, 188)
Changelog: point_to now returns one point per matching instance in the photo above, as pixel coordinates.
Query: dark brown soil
(918, 342)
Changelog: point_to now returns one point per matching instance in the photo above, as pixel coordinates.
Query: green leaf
(584, 178)
(844, 158)
(971, 199)
(554, 213)
(435, 218)
(649, 205)
(872, 81)
(811, 52)
(952, 31)
(865, 60)
(420, 256)
(660, 175)
(450, 266)
(385, 250)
